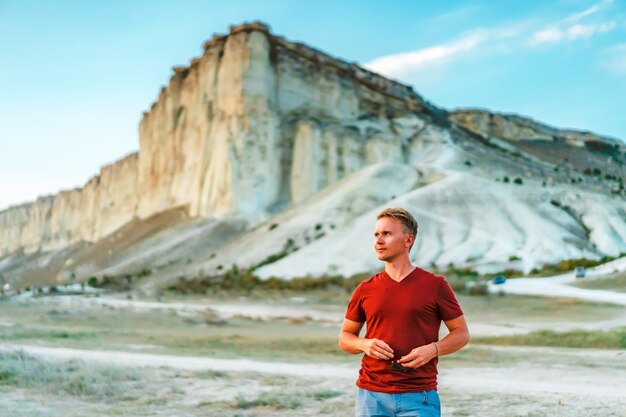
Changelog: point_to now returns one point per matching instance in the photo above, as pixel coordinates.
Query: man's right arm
(350, 342)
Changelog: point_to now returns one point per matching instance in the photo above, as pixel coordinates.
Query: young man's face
(391, 240)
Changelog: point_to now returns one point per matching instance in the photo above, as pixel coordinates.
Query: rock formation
(258, 125)
(232, 133)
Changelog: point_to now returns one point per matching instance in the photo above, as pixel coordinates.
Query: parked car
(579, 272)
(499, 280)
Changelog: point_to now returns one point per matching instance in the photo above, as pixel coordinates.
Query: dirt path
(224, 310)
(556, 286)
(331, 316)
(605, 379)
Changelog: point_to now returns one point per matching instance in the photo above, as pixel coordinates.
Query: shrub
(568, 265)
(477, 288)
(244, 281)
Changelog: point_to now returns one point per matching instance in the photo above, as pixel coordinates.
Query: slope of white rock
(272, 149)
(463, 220)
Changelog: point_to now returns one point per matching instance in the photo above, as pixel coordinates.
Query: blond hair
(408, 221)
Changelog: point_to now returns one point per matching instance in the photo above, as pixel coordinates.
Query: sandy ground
(582, 382)
(333, 315)
(491, 381)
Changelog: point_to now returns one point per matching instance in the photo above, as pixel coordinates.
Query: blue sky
(76, 75)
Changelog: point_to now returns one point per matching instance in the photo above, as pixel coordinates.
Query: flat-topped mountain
(269, 154)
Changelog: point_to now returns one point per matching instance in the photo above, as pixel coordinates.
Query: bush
(477, 288)
(568, 265)
(244, 281)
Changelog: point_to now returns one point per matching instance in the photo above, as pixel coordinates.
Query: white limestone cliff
(259, 131)
(251, 126)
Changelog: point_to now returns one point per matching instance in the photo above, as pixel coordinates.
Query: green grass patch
(498, 309)
(294, 348)
(274, 401)
(20, 333)
(325, 394)
(243, 281)
(611, 339)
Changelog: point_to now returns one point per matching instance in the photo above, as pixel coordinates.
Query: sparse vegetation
(277, 402)
(594, 172)
(19, 333)
(476, 288)
(210, 374)
(325, 394)
(244, 281)
(75, 378)
(611, 339)
(615, 283)
(568, 265)
(464, 280)
(144, 272)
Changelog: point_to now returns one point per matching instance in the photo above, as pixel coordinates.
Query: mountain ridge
(259, 125)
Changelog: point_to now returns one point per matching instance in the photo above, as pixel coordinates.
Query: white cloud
(576, 17)
(570, 28)
(549, 35)
(504, 38)
(615, 60)
(398, 64)
(573, 32)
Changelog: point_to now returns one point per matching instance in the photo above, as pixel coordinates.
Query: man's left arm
(453, 341)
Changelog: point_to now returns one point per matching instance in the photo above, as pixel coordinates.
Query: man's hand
(376, 348)
(349, 341)
(419, 356)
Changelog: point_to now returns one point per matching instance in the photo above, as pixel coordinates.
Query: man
(403, 307)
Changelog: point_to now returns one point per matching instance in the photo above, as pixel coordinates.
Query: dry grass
(611, 339)
(614, 283)
(75, 378)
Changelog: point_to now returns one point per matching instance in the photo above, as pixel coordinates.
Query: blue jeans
(410, 404)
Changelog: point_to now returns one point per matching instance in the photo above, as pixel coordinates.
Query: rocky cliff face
(568, 149)
(252, 125)
(259, 128)
(516, 128)
(104, 204)
(258, 122)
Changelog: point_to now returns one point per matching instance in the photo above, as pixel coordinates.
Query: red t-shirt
(405, 315)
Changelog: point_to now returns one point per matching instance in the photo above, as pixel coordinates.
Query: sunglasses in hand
(397, 366)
